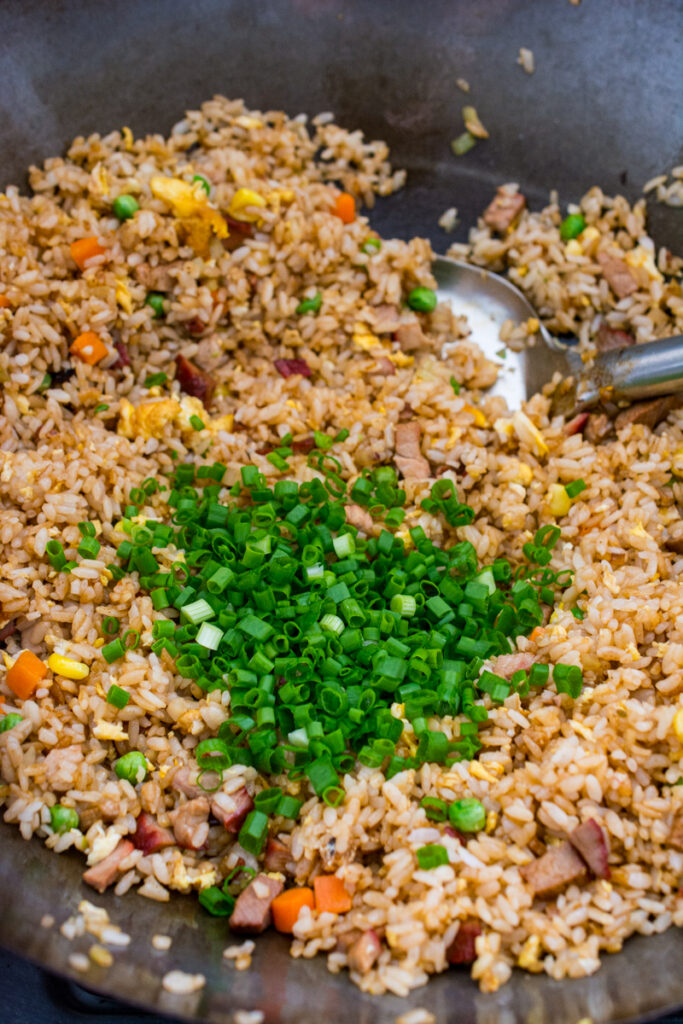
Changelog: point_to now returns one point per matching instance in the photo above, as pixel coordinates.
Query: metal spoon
(487, 299)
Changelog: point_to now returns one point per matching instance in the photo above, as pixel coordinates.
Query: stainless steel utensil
(487, 299)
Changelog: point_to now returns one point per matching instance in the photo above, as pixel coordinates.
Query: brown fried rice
(548, 762)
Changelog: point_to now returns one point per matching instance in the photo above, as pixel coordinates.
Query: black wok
(603, 107)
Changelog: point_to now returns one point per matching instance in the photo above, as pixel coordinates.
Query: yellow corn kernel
(477, 414)
(532, 325)
(677, 461)
(99, 642)
(241, 203)
(573, 248)
(522, 271)
(559, 501)
(67, 667)
(678, 724)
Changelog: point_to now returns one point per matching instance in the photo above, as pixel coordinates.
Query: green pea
(203, 182)
(155, 300)
(132, 767)
(422, 300)
(467, 815)
(9, 721)
(371, 245)
(572, 226)
(310, 305)
(63, 819)
(125, 207)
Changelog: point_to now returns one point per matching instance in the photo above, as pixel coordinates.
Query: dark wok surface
(603, 107)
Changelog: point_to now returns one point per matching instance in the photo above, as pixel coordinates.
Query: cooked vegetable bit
(572, 226)
(423, 300)
(125, 207)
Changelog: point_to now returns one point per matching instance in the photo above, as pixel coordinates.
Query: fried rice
(75, 438)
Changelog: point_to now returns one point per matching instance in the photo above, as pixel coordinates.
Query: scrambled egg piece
(528, 433)
(148, 419)
(642, 257)
(477, 414)
(243, 203)
(190, 205)
(109, 731)
(365, 339)
(123, 297)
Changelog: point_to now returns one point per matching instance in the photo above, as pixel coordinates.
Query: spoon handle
(640, 371)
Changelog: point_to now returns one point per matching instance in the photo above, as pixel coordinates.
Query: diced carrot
(89, 348)
(345, 208)
(84, 249)
(25, 674)
(536, 634)
(330, 895)
(288, 905)
(5, 302)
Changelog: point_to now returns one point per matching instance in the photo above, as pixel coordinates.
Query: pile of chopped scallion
(327, 640)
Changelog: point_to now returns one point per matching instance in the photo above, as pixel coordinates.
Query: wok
(600, 109)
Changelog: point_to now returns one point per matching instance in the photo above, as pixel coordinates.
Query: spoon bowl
(487, 300)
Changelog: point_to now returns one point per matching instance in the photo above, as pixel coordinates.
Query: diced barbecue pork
(364, 952)
(408, 458)
(102, 874)
(383, 367)
(558, 867)
(598, 427)
(359, 517)
(617, 273)
(8, 630)
(190, 823)
(576, 425)
(590, 839)
(232, 808)
(155, 279)
(410, 336)
(290, 367)
(462, 949)
(649, 413)
(386, 319)
(194, 381)
(504, 209)
(124, 356)
(277, 855)
(507, 664)
(184, 781)
(149, 835)
(608, 338)
(252, 912)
